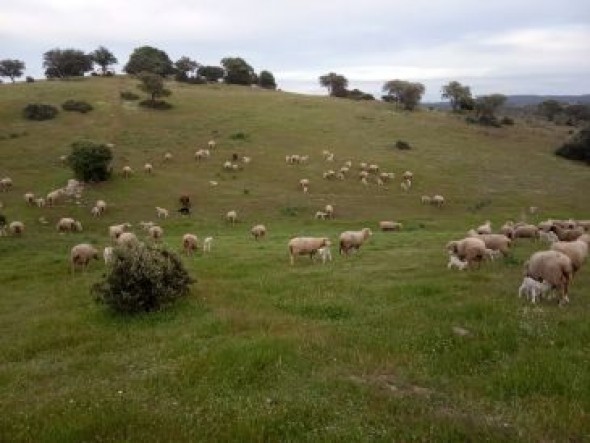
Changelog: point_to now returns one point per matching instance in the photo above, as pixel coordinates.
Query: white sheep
(425, 200)
(492, 254)
(167, 156)
(127, 171)
(438, 201)
(127, 239)
(16, 228)
(456, 262)
(552, 267)
(108, 255)
(486, 228)
(190, 243)
(54, 196)
(353, 240)
(101, 205)
(162, 212)
(232, 217)
(81, 255)
(5, 184)
(116, 230)
(29, 198)
(95, 211)
(304, 183)
(325, 253)
(207, 244)
(549, 236)
(67, 224)
(305, 246)
(148, 168)
(40, 202)
(258, 231)
(213, 183)
(211, 144)
(387, 225)
(156, 233)
(533, 289)
(405, 185)
(321, 215)
(329, 210)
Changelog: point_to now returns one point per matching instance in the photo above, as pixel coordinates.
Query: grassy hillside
(358, 349)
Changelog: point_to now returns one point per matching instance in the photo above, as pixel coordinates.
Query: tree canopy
(237, 71)
(404, 92)
(459, 95)
(149, 59)
(486, 106)
(103, 58)
(335, 83)
(152, 84)
(11, 68)
(184, 66)
(63, 63)
(211, 73)
(267, 80)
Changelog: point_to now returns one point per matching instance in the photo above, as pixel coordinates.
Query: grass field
(360, 349)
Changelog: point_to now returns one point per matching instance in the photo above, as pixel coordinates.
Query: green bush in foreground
(142, 279)
(77, 105)
(577, 148)
(90, 161)
(39, 111)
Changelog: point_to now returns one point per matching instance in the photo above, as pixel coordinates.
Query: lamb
(576, 250)
(350, 240)
(329, 210)
(406, 185)
(108, 255)
(211, 144)
(526, 231)
(128, 239)
(470, 249)
(29, 198)
(425, 200)
(127, 171)
(552, 267)
(304, 183)
(40, 202)
(5, 184)
(246, 160)
(321, 215)
(258, 231)
(325, 253)
(532, 289)
(213, 183)
(156, 233)
(456, 262)
(492, 254)
(161, 212)
(81, 255)
(116, 230)
(387, 225)
(486, 228)
(438, 201)
(101, 205)
(548, 236)
(190, 243)
(148, 168)
(68, 224)
(207, 244)
(54, 196)
(231, 217)
(95, 211)
(305, 245)
(16, 228)
(167, 156)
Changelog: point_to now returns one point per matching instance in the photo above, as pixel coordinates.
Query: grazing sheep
(246, 160)
(387, 176)
(207, 244)
(127, 239)
(211, 144)
(304, 183)
(406, 185)
(507, 229)
(161, 212)
(567, 234)
(456, 262)
(156, 233)
(363, 174)
(95, 211)
(146, 225)
(101, 205)
(321, 215)
(29, 198)
(148, 168)
(549, 236)
(486, 228)
(374, 169)
(350, 240)
(116, 230)
(364, 181)
(167, 156)
(258, 231)
(576, 250)
(329, 210)
(16, 228)
(408, 175)
(231, 217)
(388, 225)
(202, 154)
(305, 245)
(5, 184)
(40, 202)
(545, 225)
(127, 171)
(526, 231)
(108, 255)
(81, 255)
(438, 201)
(492, 254)
(190, 243)
(532, 289)
(213, 183)
(227, 165)
(552, 267)
(470, 249)
(495, 242)
(54, 196)
(329, 175)
(325, 253)
(425, 200)
(68, 224)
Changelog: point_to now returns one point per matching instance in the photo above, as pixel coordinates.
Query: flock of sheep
(547, 270)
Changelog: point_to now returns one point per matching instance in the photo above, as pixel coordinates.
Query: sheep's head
(325, 242)
(367, 232)
(452, 247)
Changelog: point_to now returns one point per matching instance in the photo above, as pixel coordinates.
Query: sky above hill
(505, 46)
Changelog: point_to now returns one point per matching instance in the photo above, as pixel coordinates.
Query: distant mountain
(528, 100)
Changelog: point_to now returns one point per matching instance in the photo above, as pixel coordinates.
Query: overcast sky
(505, 46)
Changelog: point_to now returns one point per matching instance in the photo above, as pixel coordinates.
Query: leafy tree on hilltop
(149, 59)
(184, 66)
(63, 63)
(11, 68)
(335, 83)
(103, 58)
(486, 106)
(211, 73)
(267, 80)
(407, 93)
(153, 84)
(459, 95)
(237, 71)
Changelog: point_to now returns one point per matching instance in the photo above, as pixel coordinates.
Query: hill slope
(360, 348)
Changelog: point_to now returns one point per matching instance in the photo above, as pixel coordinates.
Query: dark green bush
(142, 279)
(238, 136)
(577, 147)
(39, 111)
(128, 95)
(156, 104)
(90, 161)
(30, 79)
(400, 144)
(507, 121)
(77, 105)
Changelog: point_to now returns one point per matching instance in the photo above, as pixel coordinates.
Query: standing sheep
(350, 240)
(148, 168)
(486, 228)
(532, 289)
(388, 225)
(81, 255)
(67, 224)
(438, 201)
(305, 245)
(5, 184)
(207, 244)
(190, 243)
(470, 249)
(231, 217)
(156, 233)
(16, 228)
(30, 198)
(258, 231)
(161, 212)
(576, 250)
(526, 231)
(552, 267)
(116, 230)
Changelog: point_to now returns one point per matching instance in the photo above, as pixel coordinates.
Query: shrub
(142, 279)
(577, 147)
(2, 221)
(128, 95)
(75, 105)
(238, 136)
(507, 121)
(400, 144)
(39, 111)
(156, 104)
(90, 160)
(29, 79)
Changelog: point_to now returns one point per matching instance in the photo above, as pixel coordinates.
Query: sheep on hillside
(552, 267)
(231, 217)
(258, 231)
(576, 250)
(128, 239)
(81, 255)
(207, 244)
(438, 201)
(156, 233)
(161, 212)
(533, 289)
(67, 224)
(5, 184)
(190, 243)
(470, 249)
(16, 228)
(116, 230)
(486, 228)
(353, 240)
(148, 168)
(29, 198)
(305, 246)
(127, 171)
(456, 262)
(388, 225)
